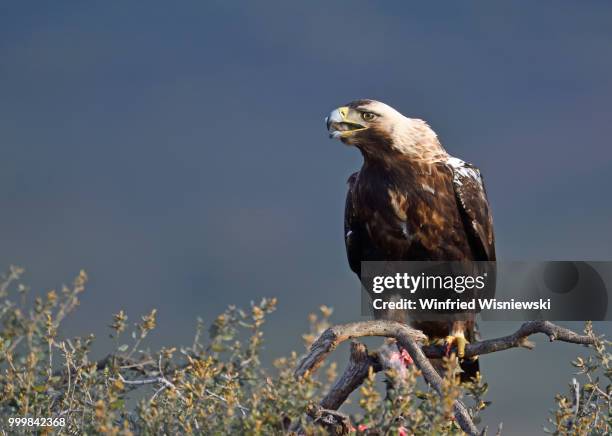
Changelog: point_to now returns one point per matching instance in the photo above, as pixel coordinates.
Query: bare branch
(242, 409)
(408, 338)
(517, 339)
(156, 380)
(335, 335)
(433, 378)
(354, 375)
(357, 371)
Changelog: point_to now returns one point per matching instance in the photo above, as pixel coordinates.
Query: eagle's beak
(339, 123)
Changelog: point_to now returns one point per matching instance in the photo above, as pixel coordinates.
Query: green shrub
(217, 385)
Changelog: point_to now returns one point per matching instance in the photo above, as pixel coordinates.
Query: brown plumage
(411, 201)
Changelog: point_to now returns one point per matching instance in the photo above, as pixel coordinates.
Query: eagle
(412, 201)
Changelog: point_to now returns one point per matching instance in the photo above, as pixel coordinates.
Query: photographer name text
(450, 304)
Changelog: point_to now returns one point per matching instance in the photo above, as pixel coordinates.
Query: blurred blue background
(177, 152)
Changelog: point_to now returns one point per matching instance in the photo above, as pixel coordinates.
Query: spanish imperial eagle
(412, 201)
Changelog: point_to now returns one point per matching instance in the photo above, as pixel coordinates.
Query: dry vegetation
(217, 385)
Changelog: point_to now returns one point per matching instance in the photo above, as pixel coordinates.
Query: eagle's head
(377, 130)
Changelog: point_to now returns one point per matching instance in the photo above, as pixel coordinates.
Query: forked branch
(408, 339)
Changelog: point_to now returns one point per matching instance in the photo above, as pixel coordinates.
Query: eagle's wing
(474, 208)
(354, 231)
(475, 212)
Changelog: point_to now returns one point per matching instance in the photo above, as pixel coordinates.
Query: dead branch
(355, 373)
(517, 339)
(408, 338)
(162, 381)
(335, 422)
(333, 336)
(433, 378)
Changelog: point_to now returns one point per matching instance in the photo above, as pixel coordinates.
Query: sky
(178, 154)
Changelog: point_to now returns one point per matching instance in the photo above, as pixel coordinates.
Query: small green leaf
(117, 404)
(218, 348)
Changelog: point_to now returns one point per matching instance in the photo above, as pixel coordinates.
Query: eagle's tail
(471, 369)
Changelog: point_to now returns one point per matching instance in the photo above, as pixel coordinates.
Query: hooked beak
(338, 124)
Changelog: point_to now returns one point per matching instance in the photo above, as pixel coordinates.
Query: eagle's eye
(368, 116)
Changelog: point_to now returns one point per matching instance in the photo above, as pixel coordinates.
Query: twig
(161, 374)
(500, 427)
(576, 387)
(157, 392)
(161, 380)
(242, 409)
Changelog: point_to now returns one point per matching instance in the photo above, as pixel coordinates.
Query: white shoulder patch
(462, 170)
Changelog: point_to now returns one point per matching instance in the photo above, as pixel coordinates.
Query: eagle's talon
(461, 343)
